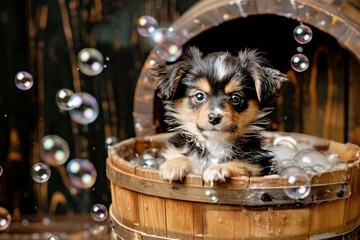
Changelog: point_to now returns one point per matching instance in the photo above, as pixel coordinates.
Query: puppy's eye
(236, 99)
(200, 97)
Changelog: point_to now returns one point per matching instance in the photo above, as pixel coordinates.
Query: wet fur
(217, 105)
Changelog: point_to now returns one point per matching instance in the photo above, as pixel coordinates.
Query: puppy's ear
(271, 82)
(167, 75)
(268, 81)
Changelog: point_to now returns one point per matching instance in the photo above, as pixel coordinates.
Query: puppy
(217, 105)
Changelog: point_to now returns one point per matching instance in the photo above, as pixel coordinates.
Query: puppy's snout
(214, 118)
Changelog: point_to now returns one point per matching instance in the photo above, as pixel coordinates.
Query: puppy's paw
(175, 169)
(218, 173)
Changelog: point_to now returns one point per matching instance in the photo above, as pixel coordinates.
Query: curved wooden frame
(338, 18)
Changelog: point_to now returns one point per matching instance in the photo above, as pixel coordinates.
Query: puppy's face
(216, 96)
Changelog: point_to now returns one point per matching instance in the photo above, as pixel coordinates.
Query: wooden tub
(146, 207)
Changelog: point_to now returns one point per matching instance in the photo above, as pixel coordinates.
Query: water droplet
(146, 25)
(299, 62)
(82, 173)
(86, 108)
(24, 80)
(212, 195)
(99, 212)
(90, 61)
(62, 99)
(303, 34)
(40, 172)
(55, 150)
(5, 218)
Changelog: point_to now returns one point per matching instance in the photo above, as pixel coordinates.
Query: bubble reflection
(24, 80)
(5, 218)
(55, 150)
(82, 173)
(90, 61)
(98, 212)
(40, 172)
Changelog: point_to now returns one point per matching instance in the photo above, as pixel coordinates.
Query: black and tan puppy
(218, 105)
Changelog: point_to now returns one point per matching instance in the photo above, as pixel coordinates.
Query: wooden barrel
(146, 207)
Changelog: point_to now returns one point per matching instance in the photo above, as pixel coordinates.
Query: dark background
(33, 39)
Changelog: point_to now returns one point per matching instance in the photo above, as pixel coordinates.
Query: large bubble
(86, 108)
(82, 173)
(24, 80)
(90, 61)
(55, 150)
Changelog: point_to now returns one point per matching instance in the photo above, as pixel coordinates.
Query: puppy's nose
(214, 118)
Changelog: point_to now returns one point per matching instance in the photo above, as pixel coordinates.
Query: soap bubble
(5, 218)
(170, 47)
(99, 212)
(299, 62)
(62, 99)
(146, 25)
(300, 186)
(311, 157)
(1, 170)
(82, 173)
(150, 158)
(53, 237)
(90, 61)
(158, 35)
(282, 152)
(298, 183)
(24, 80)
(303, 34)
(55, 150)
(86, 108)
(110, 141)
(287, 141)
(40, 172)
(212, 195)
(340, 166)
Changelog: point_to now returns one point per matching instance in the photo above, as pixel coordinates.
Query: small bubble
(212, 195)
(99, 212)
(1, 170)
(53, 237)
(90, 61)
(55, 150)
(24, 80)
(40, 172)
(110, 141)
(303, 34)
(146, 25)
(82, 173)
(298, 183)
(62, 99)
(299, 62)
